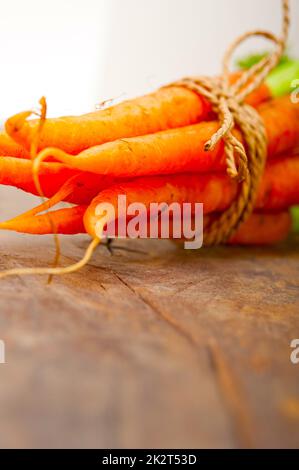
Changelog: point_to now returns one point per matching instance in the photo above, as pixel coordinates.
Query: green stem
(281, 80)
(295, 217)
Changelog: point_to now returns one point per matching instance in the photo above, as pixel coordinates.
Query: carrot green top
(280, 80)
(295, 217)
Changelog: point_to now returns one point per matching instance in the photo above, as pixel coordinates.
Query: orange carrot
(215, 191)
(281, 119)
(8, 147)
(263, 229)
(167, 108)
(67, 221)
(179, 150)
(279, 187)
(18, 172)
(279, 190)
(259, 229)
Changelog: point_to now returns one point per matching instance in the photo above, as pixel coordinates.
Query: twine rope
(227, 102)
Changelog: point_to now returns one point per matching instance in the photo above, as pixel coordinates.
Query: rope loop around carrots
(228, 103)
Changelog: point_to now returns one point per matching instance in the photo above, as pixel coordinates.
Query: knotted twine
(228, 104)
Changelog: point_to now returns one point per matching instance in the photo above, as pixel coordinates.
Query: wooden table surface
(157, 347)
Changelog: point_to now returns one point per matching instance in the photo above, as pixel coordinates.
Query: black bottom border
(135, 458)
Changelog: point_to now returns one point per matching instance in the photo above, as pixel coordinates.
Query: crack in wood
(229, 389)
(167, 319)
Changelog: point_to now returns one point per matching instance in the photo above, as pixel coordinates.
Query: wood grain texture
(157, 347)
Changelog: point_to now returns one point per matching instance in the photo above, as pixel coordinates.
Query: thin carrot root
(68, 221)
(42, 156)
(33, 153)
(55, 271)
(61, 195)
(41, 122)
(18, 124)
(35, 142)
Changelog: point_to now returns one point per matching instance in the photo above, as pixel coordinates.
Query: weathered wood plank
(154, 348)
(243, 305)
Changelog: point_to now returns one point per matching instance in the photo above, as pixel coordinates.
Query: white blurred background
(81, 52)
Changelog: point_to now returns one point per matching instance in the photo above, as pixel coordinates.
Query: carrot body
(263, 229)
(281, 120)
(259, 229)
(180, 150)
(167, 108)
(215, 191)
(18, 172)
(8, 147)
(280, 186)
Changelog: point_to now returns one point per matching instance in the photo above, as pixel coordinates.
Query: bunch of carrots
(150, 149)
